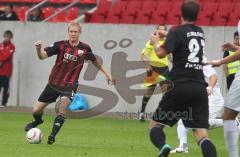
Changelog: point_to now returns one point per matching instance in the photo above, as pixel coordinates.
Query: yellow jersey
(154, 60)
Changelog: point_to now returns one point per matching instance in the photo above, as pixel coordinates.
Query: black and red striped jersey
(69, 62)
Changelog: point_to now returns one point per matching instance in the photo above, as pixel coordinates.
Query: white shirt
(216, 95)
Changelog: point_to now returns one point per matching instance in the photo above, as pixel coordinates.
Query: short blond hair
(76, 24)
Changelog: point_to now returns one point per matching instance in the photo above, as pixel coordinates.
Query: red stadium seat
(115, 12)
(33, 1)
(204, 1)
(61, 1)
(160, 14)
(130, 13)
(100, 14)
(234, 16)
(206, 15)
(225, 1)
(73, 13)
(55, 1)
(61, 17)
(88, 1)
(47, 11)
(16, 1)
(174, 16)
(104, 6)
(21, 12)
(222, 16)
(148, 7)
(94, 18)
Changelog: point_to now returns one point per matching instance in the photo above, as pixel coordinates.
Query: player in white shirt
(216, 103)
(232, 105)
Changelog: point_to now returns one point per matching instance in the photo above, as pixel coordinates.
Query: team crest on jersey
(80, 52)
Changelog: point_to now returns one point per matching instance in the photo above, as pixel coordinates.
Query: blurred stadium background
(111, 27)
(117, 31)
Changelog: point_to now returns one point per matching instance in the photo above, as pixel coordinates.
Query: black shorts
(161, 70)
(187, 101)
(4, 82)
(51, 94)
(164, 71)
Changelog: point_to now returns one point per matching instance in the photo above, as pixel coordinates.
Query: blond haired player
(63, 80)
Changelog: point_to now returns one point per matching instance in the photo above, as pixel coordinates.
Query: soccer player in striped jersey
(63, 80)
(153, 65)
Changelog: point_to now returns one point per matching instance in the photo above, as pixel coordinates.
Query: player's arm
(146, 62)
(211, 84)
(170, 44)
(160, 52)
(229, 47)
(6, 54)
(226, 60)
(42, 54)
(225, 70)
(144, 59)
(109, 77)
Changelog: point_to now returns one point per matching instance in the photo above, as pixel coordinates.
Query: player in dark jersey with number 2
(188, 100)
(63, 81)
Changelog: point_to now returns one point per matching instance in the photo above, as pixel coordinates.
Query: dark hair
(235, 34)
(165, 26)
(10, 5)
(8, 32)
(190, 10)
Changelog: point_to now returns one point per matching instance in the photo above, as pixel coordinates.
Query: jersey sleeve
(90, 56)
(52, 49)
(172, 41)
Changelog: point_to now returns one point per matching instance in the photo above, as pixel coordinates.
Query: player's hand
(149, 71)
(111, 80)
(229, 47)
(154, 38)
(162, 33)
(38, 44)
(209, 90)
(214, 63)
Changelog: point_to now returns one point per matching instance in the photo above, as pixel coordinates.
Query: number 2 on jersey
(194, 48)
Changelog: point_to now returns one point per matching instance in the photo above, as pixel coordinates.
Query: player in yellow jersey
(155, 67)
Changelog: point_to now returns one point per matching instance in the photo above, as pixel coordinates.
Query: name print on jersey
(196, 43)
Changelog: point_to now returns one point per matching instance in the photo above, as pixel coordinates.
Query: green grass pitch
(96, 137)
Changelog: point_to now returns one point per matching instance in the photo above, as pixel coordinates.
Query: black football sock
(38, 117)
(144, 103)
(58, 122)
(157, 137)
(208, 148)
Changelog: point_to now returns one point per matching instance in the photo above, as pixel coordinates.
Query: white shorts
(233, 95)
(215, 110)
